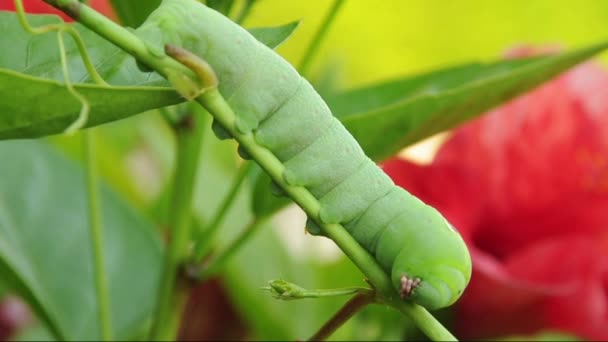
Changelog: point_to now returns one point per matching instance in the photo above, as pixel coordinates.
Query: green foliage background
(377, 40)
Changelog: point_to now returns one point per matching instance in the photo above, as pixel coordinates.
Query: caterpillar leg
(185, 86)
(408, 285)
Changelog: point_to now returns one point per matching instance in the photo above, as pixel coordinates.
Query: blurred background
(369, 42)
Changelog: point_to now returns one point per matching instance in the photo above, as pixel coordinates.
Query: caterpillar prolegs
(427, 260)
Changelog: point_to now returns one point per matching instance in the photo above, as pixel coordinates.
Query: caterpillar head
(433, 273)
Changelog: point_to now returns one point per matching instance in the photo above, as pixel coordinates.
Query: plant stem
(205, 239)
(281, 289)
(213, 101)
(219, 262)
(119, 36)
(96, 235)
(244, 12)
(182, 290)
(189, 138)
(313, 48)
(424, 321)
(349, 309)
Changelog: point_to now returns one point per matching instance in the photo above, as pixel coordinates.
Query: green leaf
(274, 36)
(133, 12)
(33, 100)
(387, 117)
(38, 55)
(32, 107)
(44, 244)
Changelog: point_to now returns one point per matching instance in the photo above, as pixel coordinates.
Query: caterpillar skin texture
(427, 260)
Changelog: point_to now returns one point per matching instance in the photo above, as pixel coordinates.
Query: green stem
(204, 241)
(96, 234)
(315, 44)
(189, 139)
(281, 289)
(349, 309)
(244, 12)
(61, 27)
(424, 321)
(219, 262)
(213, 101)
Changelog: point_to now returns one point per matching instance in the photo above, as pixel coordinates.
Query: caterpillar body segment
(426, 259)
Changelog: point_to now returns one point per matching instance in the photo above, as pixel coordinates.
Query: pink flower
(527, 187)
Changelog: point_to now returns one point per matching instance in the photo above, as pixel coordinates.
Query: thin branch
(218, 263)
(189, 141)
(205, 238)
(284, 290)
(96, 232)
(315, 44)
(349, 309)
(245, 11)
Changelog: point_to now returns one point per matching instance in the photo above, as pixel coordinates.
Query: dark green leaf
(32, 107)
(44, 244)
(274, 36)
(385, 118)
(133, 12)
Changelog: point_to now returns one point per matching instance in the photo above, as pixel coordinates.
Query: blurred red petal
(537, 289)
(584, 312)
(527, 186)
(14, 315)
(542, 155)
(452, 190)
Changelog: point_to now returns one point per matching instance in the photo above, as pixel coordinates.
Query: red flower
(38, 6)
(527, 186)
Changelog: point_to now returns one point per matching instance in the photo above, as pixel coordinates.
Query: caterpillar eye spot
(408, 285)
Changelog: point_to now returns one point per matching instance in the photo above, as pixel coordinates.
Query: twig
(189, 139)
(349, 309)
(281, 289)
(313, 48)
(205, 238)
(96, 232)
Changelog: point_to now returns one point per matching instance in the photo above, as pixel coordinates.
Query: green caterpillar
(427, 260)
